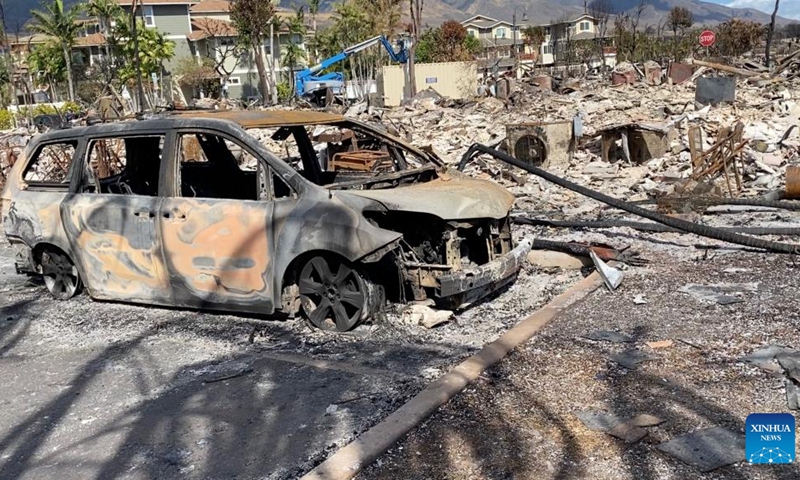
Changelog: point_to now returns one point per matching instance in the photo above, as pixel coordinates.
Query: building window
(233, 81)
(547, 49)
(500, 32)
(471, 33)
(149, 17)
(584, 26)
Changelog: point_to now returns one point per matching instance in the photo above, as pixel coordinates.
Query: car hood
(451, 196)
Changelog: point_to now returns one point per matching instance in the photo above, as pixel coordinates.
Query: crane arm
(401, 56)
(308, 75)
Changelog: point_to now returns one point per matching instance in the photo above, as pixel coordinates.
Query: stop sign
(707, 38)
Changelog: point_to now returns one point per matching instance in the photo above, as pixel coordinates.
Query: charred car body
(191, 210)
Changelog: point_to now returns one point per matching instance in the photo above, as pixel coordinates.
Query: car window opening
(51, 163)
(125, 166)
(338, 156)
(212, 166)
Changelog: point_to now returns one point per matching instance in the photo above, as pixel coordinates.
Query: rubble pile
(768, 114)
(11, 146)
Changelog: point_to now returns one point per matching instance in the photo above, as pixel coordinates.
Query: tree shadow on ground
(14, 325)
(268, 418)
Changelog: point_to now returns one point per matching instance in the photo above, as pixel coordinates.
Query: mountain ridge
(17, 12)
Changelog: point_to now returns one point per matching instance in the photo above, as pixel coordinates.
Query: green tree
(106, 11)
(252, 20)
(447, 43)
(201, 76)
(46, 62)
(534, 37)
(154, 49)
(291, 54)
(60, 24)
(426, 46)
(313, 10)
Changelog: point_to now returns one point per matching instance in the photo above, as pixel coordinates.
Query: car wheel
(333, 295)
(60, 275)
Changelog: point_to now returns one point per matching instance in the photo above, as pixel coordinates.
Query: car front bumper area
(461, 289)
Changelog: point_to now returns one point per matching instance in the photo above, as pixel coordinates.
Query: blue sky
(788, 8)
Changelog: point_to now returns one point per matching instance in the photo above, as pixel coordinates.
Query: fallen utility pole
(697, 229)
(726, 68)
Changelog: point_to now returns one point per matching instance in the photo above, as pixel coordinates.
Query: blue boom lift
(312, 87)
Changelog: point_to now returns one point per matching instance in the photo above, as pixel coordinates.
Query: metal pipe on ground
(701, 230)
(750, 202)
(647, 227)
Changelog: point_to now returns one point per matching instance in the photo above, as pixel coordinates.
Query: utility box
(542, 144)
(715, 90)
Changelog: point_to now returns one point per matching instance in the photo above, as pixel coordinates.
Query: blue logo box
(770, 438)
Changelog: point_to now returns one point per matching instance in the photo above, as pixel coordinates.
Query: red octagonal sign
(707, 38)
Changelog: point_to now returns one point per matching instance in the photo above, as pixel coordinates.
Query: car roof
(264, 118)
(193, 118)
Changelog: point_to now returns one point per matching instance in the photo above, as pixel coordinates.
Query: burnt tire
(60, 275)
(334, 295)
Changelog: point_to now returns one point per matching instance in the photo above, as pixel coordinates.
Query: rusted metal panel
(679, 72)
(545, 82)
(624, 78)
(792, 181)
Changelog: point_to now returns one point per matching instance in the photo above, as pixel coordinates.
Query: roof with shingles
(93, 40)
(211, 27)
(211, 6)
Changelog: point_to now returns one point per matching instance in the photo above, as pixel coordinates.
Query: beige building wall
(453, 80)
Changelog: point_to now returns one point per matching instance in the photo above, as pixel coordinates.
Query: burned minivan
(255, 211)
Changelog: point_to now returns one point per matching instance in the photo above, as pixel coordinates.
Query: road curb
(353, 457)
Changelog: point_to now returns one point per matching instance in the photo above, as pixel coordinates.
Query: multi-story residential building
(497, 42)
(199, 29)
(497, 38)
(213, 36)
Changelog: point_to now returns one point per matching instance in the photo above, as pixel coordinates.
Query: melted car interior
(345, 156)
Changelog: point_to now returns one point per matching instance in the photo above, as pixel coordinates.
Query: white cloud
(788, 8)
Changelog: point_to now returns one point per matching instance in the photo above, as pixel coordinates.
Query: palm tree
(292, 54)
(105, 11)
(62, 26)
(313, 10)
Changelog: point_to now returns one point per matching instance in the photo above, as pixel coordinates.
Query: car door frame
(81, 177)
(268, 301)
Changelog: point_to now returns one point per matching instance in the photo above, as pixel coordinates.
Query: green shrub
(284, 92)
(43, 110)
(71, 107)
(6, 120)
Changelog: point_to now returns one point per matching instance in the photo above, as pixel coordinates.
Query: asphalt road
(108, 390)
